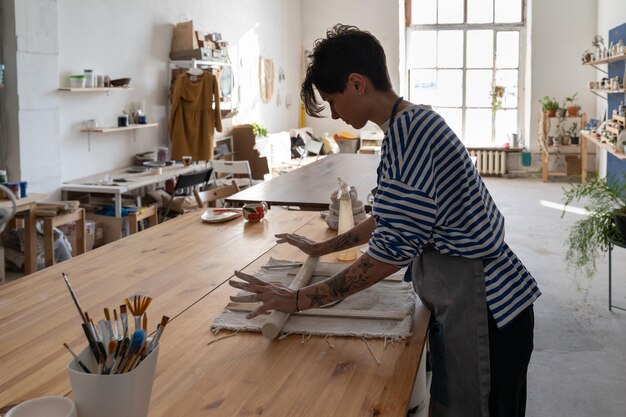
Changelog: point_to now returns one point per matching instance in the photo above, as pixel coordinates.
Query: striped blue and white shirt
(429, 192)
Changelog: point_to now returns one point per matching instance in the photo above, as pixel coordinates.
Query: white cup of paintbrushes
(120, 395)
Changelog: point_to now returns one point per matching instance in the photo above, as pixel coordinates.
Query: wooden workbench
(184, 265)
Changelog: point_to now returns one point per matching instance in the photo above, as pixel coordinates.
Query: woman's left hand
(271, 295)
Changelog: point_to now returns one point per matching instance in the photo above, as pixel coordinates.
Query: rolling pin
(277, 319)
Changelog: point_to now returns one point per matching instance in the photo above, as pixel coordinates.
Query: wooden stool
(49, 223)
(149, 213)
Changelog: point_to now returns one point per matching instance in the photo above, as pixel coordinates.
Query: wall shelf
(118, 129)
(113, 130)
(608, 60)
(94, 89)
(605, 90)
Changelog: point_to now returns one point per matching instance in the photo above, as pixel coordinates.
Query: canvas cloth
(389, 295)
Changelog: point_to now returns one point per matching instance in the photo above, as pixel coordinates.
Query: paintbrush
(109, 325)
(69, 287)
(124, 318)
(92, 343)
(155, 340)
(110, 358)
(77, 359)
(136, 343)
(138, 307)
(118, 334)
(144, 324)
(119, 355)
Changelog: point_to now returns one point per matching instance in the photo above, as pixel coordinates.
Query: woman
(431, 212)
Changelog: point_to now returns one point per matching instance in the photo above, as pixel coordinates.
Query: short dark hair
(346, 49)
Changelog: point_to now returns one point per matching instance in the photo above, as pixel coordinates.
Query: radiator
(489, 161)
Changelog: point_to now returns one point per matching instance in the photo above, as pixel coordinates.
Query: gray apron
(453, 289)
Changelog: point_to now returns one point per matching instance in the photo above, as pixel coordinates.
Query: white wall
(560, 31)
(132, 39)
(126, 39)
(380, 17)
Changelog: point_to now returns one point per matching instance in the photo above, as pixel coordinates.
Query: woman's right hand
(305, 244)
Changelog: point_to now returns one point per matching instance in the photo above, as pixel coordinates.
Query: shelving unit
(94, 89)
(609, 139)
(570, 152)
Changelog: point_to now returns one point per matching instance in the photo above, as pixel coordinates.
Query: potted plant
(589, 237)
(258, 130)
(574, 134)
(549, 105)
(572, 109)
(496, 97)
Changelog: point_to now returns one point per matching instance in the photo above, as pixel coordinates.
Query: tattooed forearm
(316, 299)
(360, 275)
(345, 283)
(344, 241)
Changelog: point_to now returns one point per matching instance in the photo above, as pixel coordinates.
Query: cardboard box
(113, 228)
(244, 142)
(69, 230)
(98, 239)
(572, 165)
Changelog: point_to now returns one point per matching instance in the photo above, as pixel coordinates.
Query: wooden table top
(310, 186)
(184, 265)
(104, 181)
(24, 203)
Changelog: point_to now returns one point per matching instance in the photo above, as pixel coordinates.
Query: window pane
(450, 49)
(453, 117)
(423, 53)
(507, 45)
(508, 11)
(450, 11)
(477, 127)
(506, 124)
(449, 88)
(508, 79)
(423, 87)
(426, 13)
(479, 11)
(479, 49)
(478, 88)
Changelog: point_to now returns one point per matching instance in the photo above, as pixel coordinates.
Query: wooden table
(310, 186)
(28, 205)
(184, 264)
(104, 182)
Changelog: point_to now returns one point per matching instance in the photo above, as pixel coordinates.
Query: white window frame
(464, 27)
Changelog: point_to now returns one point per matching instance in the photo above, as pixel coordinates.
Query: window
(464, 57)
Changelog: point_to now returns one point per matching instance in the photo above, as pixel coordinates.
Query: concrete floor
(578, 367)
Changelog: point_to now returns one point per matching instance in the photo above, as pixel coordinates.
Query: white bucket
(119, 395)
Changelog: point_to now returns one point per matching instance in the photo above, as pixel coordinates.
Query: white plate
(217, 215)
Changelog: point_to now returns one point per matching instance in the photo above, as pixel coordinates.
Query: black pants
(509, 353)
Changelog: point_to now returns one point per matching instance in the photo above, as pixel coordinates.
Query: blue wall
(616, 168)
